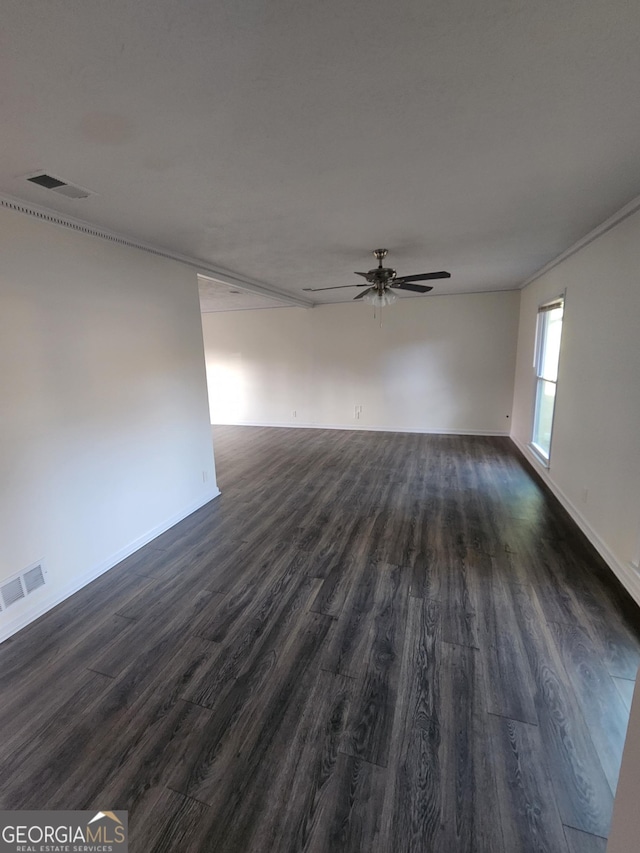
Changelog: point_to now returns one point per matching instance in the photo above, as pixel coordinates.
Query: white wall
(596, 437)
(104, 434)
(439, 363)
(625, 824)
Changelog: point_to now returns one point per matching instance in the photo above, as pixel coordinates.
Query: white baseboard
(628, 576)
(40, 602)
(362, 428)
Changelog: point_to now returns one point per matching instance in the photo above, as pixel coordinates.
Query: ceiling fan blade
(425, 276)
(363, 274)
(414, 288)
(364, 293)
(337, 287)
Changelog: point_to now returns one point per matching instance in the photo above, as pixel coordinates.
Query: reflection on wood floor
(370, 642)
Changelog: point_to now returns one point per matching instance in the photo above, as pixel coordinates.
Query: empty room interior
(319, 425)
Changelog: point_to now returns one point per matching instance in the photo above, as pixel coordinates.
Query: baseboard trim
(44, 604)
(628, 576)
(359, 428)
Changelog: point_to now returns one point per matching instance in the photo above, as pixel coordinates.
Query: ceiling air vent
(48, 182)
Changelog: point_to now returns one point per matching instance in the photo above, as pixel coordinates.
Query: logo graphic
(111, 815)
(63, 831)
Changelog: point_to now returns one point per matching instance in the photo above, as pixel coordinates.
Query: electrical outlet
(205, 476)
(294, 414)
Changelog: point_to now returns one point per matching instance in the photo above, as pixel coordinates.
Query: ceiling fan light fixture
(378, 300)
(382, 279)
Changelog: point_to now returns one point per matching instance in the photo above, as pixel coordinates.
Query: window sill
(540, 455)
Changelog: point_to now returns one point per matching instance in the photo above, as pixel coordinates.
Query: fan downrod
(380, 255)
(380, 276)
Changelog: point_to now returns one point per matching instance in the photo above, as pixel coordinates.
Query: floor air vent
(19, 587)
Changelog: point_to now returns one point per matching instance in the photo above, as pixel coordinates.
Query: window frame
(538, 358)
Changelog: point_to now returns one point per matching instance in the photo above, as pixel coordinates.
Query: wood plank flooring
(370, 642)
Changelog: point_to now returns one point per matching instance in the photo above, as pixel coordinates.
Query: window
(547, 356)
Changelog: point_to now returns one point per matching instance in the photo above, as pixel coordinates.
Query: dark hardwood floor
(370, 642)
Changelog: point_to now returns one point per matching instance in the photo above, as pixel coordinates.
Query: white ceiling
(219, 296)
(284, 140)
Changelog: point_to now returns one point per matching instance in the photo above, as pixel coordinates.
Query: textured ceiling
(285, 140)
(218, 296)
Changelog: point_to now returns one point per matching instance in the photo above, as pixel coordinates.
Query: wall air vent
(48, 182)
(12, 592)
(22, 585)
(33, 578)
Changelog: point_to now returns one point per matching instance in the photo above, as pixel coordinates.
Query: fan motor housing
(381, 275)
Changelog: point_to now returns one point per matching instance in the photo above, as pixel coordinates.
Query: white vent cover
(12, 592)
(57, 185)
(72, 191)
(33, 578)
(22, 585)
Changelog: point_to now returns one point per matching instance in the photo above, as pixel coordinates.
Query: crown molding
(234, 279)
(229, 277)
(620, 215)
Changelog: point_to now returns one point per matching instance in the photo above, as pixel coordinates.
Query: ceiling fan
(383, 281)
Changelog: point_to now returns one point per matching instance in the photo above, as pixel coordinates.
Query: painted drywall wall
(595, 453)
(625, 824)
(104, 432)
(441, 364)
